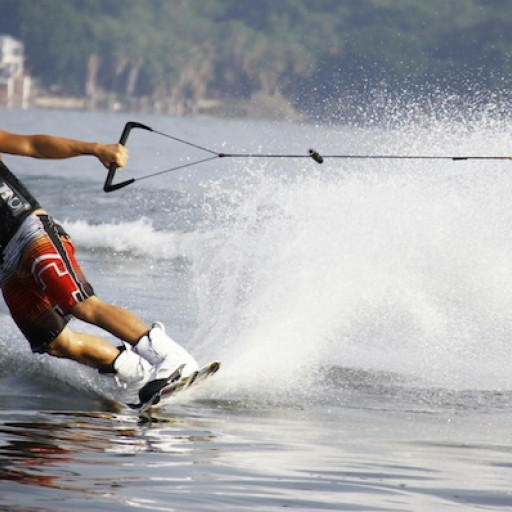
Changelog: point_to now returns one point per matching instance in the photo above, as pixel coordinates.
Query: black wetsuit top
(16, 204)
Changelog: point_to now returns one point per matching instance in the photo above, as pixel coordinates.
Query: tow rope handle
(108, 185)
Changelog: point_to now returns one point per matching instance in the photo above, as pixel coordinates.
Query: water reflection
(56, 450)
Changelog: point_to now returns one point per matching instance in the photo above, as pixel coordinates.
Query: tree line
(307, 52)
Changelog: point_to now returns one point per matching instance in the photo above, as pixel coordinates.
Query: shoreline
(258, 107)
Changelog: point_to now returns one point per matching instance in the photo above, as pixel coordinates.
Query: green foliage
(306, 50)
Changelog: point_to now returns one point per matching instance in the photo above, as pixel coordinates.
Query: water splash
(392, 266)
(136, 238)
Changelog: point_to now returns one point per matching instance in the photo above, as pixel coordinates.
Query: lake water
(362, 310)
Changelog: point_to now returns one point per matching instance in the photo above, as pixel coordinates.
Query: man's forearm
(47, 146)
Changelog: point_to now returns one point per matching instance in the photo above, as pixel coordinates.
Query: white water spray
(392, 266)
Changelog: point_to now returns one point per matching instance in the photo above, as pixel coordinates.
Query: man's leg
(84, 348)
(132, 371)
(116, 320)
(161, 351)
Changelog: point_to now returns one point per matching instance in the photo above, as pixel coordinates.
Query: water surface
(361, 310)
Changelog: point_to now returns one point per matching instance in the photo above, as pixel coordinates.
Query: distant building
(15, 84)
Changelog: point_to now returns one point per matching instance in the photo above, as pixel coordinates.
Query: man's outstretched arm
(51, 147)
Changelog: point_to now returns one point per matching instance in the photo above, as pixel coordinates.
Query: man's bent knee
(62, 345)
(87, 310)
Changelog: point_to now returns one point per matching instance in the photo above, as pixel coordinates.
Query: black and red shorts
(41, 280)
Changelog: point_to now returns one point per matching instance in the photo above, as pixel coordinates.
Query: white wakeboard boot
(132, 372)
(165, 356)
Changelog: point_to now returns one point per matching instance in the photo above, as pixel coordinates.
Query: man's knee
(62, 345)
(87, 310)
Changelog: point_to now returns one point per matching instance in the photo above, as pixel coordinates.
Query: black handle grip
(109, 186)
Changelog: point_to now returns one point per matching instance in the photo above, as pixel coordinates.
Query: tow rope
(109, 186)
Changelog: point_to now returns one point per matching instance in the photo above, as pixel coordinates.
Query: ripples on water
(370, 442)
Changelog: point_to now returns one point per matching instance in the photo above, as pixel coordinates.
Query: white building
(15, 84)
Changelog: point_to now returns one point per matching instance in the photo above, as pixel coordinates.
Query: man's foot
(151, 388)
(132, 373)
(164, 354)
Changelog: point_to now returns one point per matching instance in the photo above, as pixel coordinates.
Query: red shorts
(41, 280)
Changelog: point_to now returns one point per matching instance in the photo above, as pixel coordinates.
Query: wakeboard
(177, 385)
